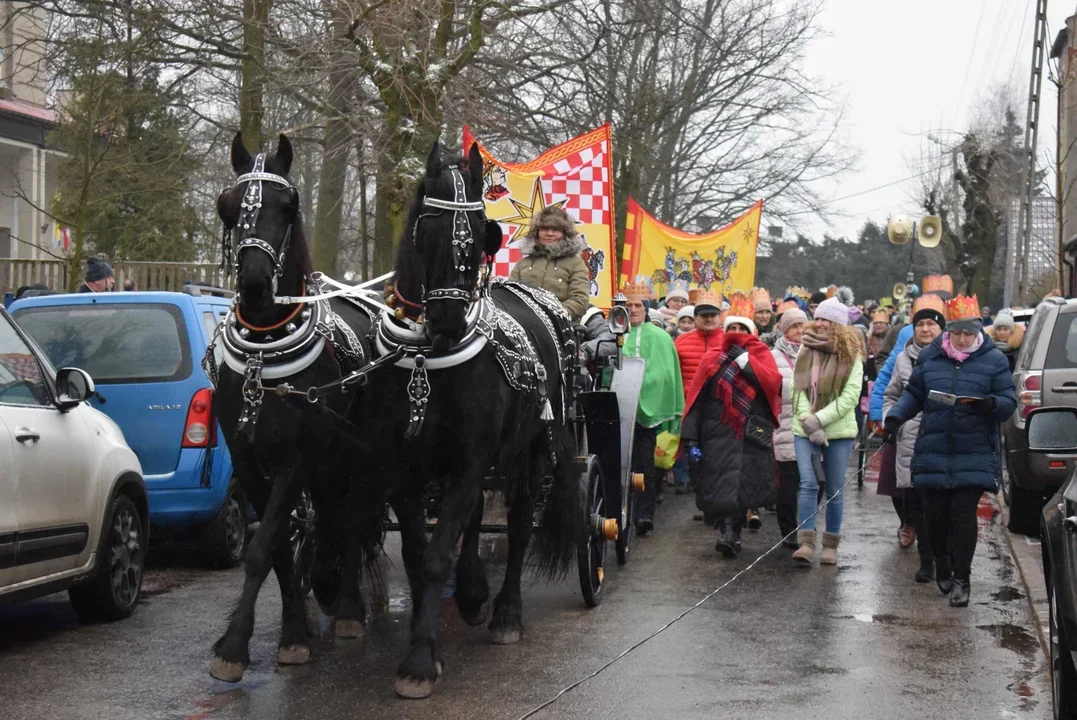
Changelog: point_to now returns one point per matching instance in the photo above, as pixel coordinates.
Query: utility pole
(1024, 229)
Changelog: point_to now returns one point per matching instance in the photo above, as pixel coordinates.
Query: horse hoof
(479, 618)
(293, 655)
(413, 688)
(504, 637)
(349, 629)
(227, 671)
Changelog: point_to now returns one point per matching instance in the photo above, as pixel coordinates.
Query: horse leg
(294, 645)
(231, 651)
(421, 667)
(472, 588)
(351, 614)
(409, 517)
(507, 622)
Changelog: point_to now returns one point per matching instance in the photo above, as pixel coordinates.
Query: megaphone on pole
(930, 234)
(899, 229)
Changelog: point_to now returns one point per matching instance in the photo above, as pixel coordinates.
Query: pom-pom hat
(833, 310)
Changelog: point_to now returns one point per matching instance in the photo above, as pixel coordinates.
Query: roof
(28, 110)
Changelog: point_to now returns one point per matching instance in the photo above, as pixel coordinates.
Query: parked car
(1045, 375)
(1052, 437)
(145, 350)
(73, 504)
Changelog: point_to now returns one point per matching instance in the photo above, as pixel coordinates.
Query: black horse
(476, 403)
(279, 444)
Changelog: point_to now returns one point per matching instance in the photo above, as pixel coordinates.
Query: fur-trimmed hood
(571, 245)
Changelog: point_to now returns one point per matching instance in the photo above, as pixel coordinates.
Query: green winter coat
(559, 269)
(839, 417)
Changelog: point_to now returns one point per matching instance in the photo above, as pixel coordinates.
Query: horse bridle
(463, 239)
(248, 219)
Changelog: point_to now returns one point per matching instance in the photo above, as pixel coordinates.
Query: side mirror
(618, 321)
(1052, 430)
(73, 386)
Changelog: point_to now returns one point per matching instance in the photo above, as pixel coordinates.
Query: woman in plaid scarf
(732, 407)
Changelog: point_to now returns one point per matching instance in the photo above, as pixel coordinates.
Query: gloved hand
(694, 453)
(735, 352)
(814, 429)
(890, 429)
(984, 405)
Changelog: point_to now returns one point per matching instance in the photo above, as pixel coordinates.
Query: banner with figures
(721, 260)
(577, 176)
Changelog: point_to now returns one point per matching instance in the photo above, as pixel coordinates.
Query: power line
(968, 65)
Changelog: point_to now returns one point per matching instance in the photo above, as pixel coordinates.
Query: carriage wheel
(301, 540)
(591, 554)
(625, 529)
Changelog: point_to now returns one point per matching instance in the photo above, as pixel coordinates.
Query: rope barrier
(565, 691)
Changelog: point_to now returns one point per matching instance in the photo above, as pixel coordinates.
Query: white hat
(833, 310)
(688, 311)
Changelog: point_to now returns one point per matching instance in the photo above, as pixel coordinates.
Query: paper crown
(679, 286)
(937, 283)
(798, 292)
(880, 315)
(693, 295)
(707, 298)
(740, 305)
(760, 298)
(962, 307)
(831, 290)
(932, 302)
(636, 291)
(787, 305)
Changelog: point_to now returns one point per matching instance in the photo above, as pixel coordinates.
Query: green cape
(662, 398)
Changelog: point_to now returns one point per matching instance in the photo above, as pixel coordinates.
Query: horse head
(445, 242)
(262, 208)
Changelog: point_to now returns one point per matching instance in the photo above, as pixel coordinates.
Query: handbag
(665, 449)
(758, 432)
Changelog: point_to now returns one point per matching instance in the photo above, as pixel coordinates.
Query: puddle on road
(1013, 637)
(1007, 594)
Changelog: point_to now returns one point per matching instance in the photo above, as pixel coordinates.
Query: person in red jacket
(692, 346)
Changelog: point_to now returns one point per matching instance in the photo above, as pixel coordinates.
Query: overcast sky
(913, 68)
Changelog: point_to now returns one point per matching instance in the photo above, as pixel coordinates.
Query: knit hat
(817, 298)
(834, 311)
(688, 311)
(677, 291)
(928, 313)
(97, 269)
(741, 311)
(1004, 319)
(796, 316)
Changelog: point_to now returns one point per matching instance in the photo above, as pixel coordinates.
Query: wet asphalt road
(859, 640)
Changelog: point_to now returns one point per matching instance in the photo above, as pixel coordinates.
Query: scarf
(733, 387)
(959, 355)
(788, 349)
(820, 371)
(662, 398)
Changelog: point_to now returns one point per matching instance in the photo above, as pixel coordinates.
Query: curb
(1025, 552)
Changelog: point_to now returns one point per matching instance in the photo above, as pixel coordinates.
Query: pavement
(859, 639)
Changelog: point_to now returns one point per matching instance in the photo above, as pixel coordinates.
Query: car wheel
(224, 539)
(1063, 672)
(113, 592)
(1025, 508)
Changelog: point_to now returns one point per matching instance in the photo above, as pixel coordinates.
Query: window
(1062, 352)
(125, 343)
(210, 321)
(1032, 337)
(22, 381)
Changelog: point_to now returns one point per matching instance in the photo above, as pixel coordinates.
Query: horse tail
(562, 523)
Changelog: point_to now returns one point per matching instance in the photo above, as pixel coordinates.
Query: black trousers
(788, 492)
(915, 515)
(643, 443)
(952, 525)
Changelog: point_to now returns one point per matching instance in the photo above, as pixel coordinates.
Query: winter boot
(926, 573)
(959, 597)
(727, 542)
(830, 548)
(943, 576)
(806, 553)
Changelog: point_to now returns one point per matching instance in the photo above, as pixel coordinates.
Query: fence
(15, 273)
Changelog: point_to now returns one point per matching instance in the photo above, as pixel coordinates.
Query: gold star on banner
(526, 213)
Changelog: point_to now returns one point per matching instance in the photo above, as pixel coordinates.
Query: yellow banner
(721, 260)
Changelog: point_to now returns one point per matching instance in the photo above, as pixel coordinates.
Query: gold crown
(798, 292)
(880, 315)
(636, 291)
(963, 307)
(740, 305)
(707, 297)
(787, 305)
(937, 283)
(931, 302)
(760, 298)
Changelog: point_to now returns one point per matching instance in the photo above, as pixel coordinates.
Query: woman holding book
(962, 386)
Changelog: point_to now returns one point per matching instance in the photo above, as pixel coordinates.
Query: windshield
(113, 343)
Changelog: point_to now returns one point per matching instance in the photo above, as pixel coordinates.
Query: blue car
(144, 351)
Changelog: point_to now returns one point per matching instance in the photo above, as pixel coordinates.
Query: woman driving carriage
(552, 261)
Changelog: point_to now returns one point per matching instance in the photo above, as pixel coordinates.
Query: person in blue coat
(875, 409)
(956, 458)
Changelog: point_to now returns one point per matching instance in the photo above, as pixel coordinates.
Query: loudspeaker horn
(900, 291)
(899, 229)
(930, 231)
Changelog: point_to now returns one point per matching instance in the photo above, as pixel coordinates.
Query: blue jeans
(680, 471)
(835, 457)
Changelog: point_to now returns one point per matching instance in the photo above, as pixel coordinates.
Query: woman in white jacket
(785, 351)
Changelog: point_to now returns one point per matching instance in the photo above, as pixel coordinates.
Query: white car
(73, 507)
